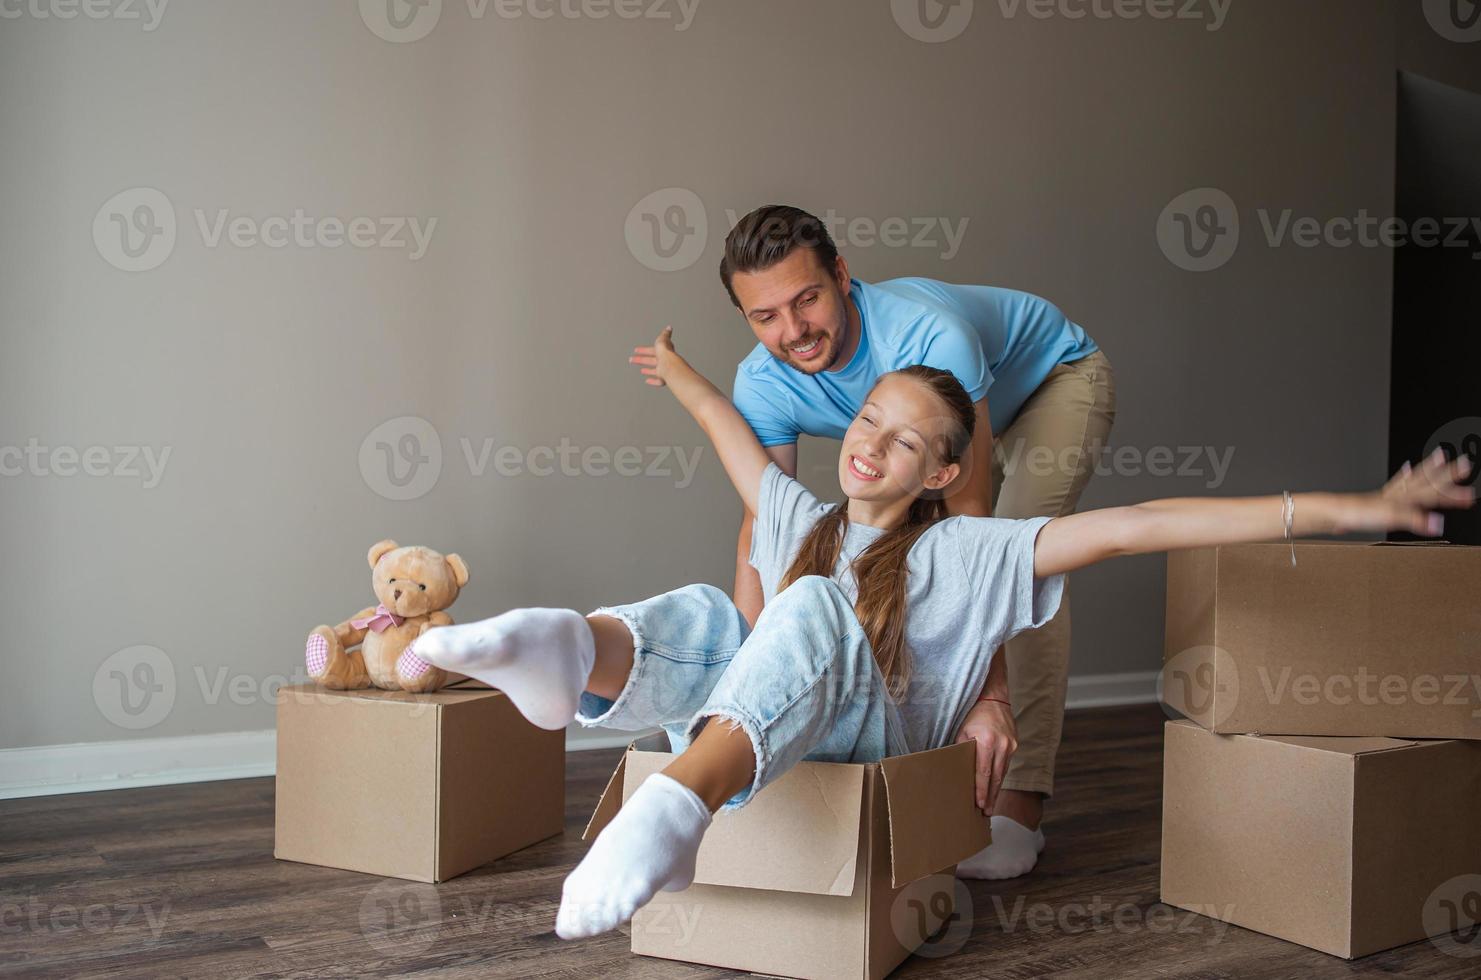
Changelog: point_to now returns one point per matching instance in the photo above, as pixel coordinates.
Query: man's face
(797, 309)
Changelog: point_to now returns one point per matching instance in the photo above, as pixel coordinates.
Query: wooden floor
(181, 881)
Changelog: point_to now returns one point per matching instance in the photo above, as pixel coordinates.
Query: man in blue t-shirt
(1045, 402)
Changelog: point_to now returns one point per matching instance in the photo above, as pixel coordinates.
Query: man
(1036, 379)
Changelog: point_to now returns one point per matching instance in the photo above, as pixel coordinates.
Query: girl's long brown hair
(880, 572)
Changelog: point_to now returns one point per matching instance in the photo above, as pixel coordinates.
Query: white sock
(541, 658)
(1014, 851)
(650, 845)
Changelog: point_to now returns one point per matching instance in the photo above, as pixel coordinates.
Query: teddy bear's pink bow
(382, 619)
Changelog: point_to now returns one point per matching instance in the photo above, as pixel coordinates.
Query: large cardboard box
(417, 786)
(1357, 639)
(834, 871)
(1346, 845)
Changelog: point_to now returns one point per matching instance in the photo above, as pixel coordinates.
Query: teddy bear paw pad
(316, 654)
(411, 666)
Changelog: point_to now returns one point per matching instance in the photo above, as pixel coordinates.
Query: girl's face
(895, 447)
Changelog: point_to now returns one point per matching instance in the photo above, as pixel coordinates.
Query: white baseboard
(1112, 690)
(83, 768)
(48, 770)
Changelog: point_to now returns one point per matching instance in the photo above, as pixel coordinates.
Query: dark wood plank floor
(180, 881)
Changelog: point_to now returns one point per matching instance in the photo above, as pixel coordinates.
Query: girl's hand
(657, 360)
(1411, 501)
(990, 725)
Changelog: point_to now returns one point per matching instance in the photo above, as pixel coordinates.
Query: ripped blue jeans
(802, 685)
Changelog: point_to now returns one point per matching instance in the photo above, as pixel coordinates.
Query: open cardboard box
(1346, 845)
(834, 870)
(1357, 639)
(417, 786)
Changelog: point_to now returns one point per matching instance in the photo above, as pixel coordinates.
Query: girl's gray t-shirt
(971, 587)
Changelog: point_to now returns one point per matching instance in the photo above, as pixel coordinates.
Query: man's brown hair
(768, 235)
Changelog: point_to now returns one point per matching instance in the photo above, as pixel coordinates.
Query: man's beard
(824, 361)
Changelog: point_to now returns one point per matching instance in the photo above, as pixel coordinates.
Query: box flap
(612, 796)
(431, 699)
(934, 820)
(468, 684)
(652, 742)
(1330, 543)
(1344, 744)
(610, 802)
(1339, 744)
(806, 825)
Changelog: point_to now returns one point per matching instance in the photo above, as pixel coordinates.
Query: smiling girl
(879, 613)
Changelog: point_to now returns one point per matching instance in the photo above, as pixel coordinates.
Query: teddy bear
(414, 586)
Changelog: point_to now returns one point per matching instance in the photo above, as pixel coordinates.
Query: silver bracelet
(1288, 518)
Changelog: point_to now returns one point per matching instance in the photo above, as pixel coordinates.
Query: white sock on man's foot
(650, 845)
(541, 658)
(1014, 851)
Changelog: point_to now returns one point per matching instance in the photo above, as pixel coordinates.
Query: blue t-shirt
(1000, 343)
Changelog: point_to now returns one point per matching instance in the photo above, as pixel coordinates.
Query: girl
(879, 614)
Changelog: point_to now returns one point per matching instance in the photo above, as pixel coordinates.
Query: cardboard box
(1346, 845)
(417, 786)
(1357, 639)
(834, 870)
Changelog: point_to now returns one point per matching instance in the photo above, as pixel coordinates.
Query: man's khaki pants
(1041, 463)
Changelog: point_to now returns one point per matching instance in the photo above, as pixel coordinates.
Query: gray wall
(1058, 141)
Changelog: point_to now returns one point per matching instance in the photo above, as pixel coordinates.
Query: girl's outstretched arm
(739, 449)
(1408, 502)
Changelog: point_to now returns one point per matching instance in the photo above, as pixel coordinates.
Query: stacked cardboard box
(1325, 781)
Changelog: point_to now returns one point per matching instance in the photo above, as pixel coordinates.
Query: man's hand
(990, 725)
(657, 360)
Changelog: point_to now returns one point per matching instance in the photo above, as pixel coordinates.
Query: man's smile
(806, 350)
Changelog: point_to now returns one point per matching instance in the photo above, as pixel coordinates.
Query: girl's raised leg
(614, 656)
(633, 667)
(541, 658)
